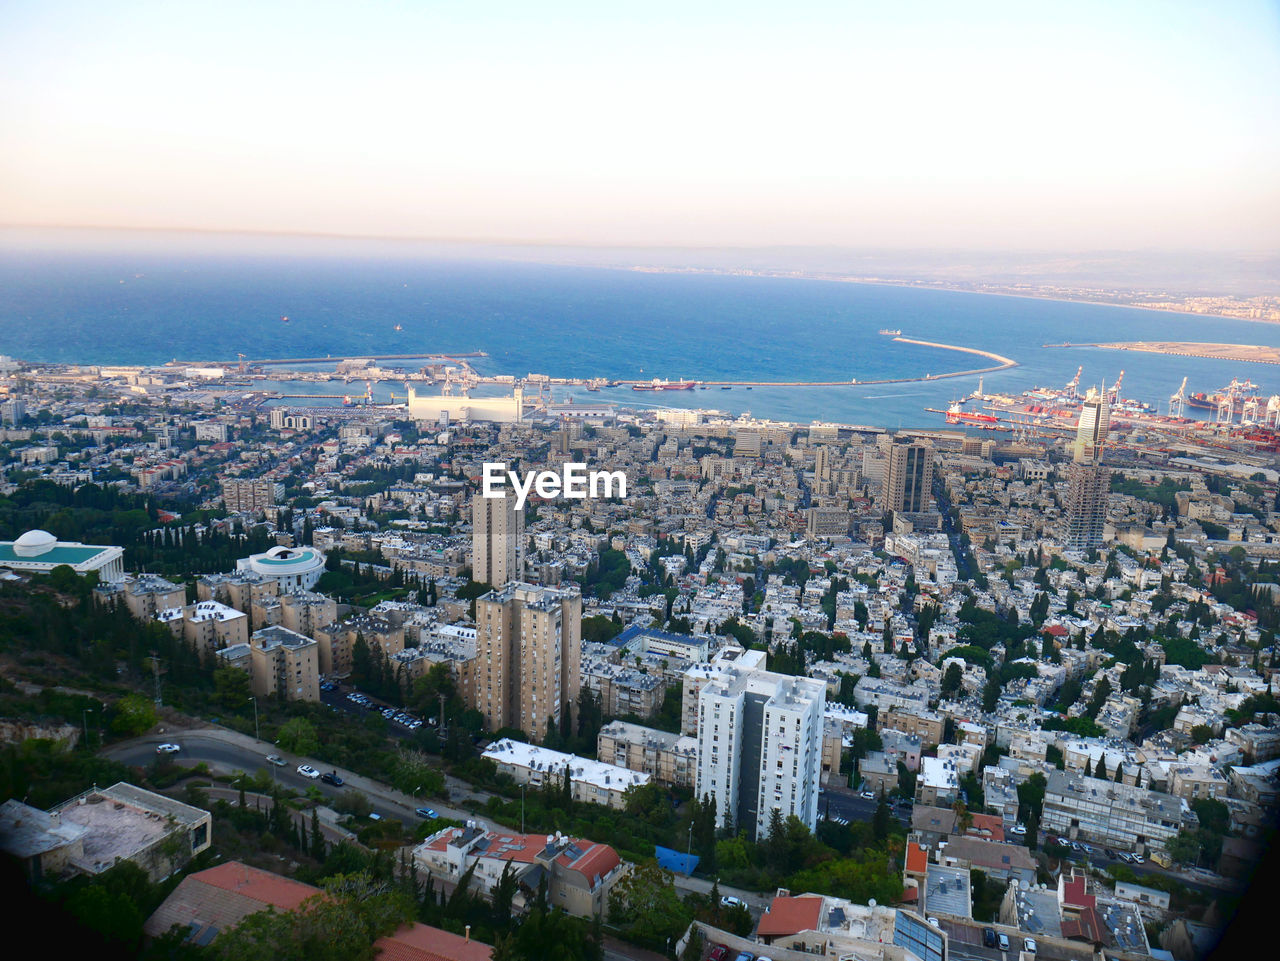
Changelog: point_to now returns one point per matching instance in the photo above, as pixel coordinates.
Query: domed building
(294, 568)
(40, 552)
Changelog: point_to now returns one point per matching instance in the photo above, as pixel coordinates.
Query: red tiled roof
(790, 916)
(988, 826)
(1057, 630)
(421, 942)
(917, 858)
(272, 889)
(597, 860)
(1073, 893)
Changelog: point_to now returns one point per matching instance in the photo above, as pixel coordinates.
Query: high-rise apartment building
(760, 747)
(497, 540)
(529, 652)
(908, 477)
(284, 664)
(1088, 481)
(250, 493)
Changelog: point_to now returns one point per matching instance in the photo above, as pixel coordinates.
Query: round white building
(294, 568)
(40, 552)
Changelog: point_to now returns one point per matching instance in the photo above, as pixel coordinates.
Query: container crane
(1178, 400)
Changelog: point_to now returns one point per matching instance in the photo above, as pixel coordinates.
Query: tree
(298, 736)
(951, 679)
(645, 905)
(134, 714)
(1183, 847)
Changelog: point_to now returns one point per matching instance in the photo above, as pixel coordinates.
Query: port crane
(1114, 394)
(1074, 382)
(1178, 400)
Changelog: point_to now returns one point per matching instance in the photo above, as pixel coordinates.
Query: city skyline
(997, 128)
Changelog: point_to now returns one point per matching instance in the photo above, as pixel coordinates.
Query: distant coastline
(1271, 303)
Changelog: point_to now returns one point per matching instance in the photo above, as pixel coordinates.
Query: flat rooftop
(122, 820)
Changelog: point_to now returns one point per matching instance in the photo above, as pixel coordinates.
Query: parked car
(375, 816)
(307, 771)
(869, 795)
(988, 937)
(1017, 829)
(744, 956)
(728, 901)
(168, 748)
(331, 777)
(1004, 941)
(276, 759)
(1109, 853)
(1139, 859)
(1029, 945)
(718, 953)
(427, 813)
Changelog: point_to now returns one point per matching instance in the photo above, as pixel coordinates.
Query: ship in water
(958, 415)
(891, 332)
(1239, 394)
(656, 384)
(397, 327)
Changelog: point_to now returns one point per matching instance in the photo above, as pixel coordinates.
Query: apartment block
(529, 650)
(666, 757)
(594, 782)
(497, 540)
(336, 642)
(760, 746)
(1117, 815)
(207, 625)
(250, 493)
(284, 664)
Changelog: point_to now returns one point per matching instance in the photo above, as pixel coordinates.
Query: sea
(103, 301)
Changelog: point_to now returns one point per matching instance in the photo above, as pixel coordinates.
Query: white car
(1017, 829)
(729, 901)
(868, 795)
(276, 759)
(1029, 945)
(306, 770)
(1139, 859)
(167, 748)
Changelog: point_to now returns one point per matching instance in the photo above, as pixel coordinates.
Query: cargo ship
(957, 415)
(1238, 392)
(666, 385)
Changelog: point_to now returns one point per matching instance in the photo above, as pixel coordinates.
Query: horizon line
(608, 245)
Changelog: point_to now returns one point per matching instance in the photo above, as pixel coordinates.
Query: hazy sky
(1069, 125)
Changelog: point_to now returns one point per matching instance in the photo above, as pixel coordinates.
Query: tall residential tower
(497, 540)
(1088, 481)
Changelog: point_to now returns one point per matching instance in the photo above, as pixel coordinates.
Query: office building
(497, 540)
(908, 477)
(1088, 481)
(760, 747)
(529, 652)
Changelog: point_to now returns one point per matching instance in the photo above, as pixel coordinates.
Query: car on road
(328, 686)
(1029, 945)
(870, 796)
(1109, 853)
(427, 813)
(728, 901)
(331, 777)
(1139, 859)
(1017, 829)
(1004, 941)
(168, 748)
(1126, 857)
(276, 759)
(307, 771)
(1065, 842)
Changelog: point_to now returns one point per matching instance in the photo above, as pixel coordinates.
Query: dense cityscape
(784, 690)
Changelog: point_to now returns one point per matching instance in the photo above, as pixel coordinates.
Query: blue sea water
(134, 306)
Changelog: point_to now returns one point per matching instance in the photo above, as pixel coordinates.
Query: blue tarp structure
(675, 861)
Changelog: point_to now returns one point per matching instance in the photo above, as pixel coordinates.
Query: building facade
(497, 540)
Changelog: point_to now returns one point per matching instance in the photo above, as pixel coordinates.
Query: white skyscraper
(1088, 481)
(760, 747)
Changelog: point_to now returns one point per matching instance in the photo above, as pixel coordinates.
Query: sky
(914, 124)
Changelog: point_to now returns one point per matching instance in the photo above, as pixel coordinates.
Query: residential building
(666, 757)
(206, 625)
(529, 651)
(250, 494)
(145, 595)
(1122, 816)
(217, 899)
(285, 664)
(760, 746)
(94, 831)
(592, 781)
(497, 540)
(579, 874)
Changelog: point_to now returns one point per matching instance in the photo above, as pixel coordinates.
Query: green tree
(951, 679)
(298, 736)
(646, 906)
(134, 714)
